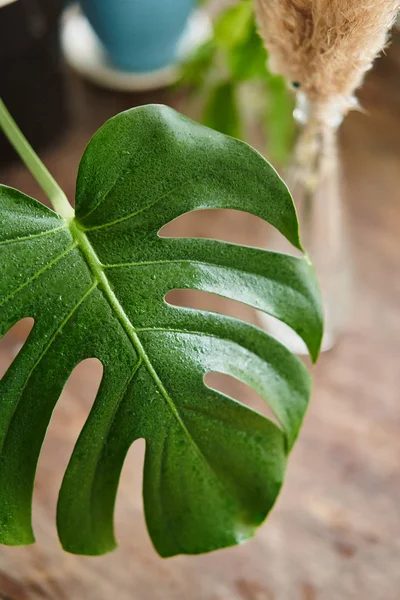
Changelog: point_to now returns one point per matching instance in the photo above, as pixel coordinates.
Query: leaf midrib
(97, 269)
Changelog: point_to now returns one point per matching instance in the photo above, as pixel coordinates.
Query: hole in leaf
(228, 225)
(67, 421)
(12, 342)
(243, 393)
(285, 335)
(212, 302)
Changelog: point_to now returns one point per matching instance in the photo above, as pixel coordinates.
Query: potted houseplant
(94, 281)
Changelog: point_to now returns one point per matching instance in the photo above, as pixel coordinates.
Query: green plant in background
(230, 74)
(95, 283)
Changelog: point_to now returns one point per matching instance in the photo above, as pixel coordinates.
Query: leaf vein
(31, 237)
(172, 330)
(121, 175)
(38, 273)
(134, 214)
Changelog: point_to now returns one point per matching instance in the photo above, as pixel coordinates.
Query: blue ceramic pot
(139, 35)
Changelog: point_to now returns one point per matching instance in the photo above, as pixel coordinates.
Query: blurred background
(335, 531)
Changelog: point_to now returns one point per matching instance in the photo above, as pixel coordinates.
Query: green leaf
(95, 287)
(279, 123)
(196, 68)
(221, 111)
(232, 26)
(247, 59)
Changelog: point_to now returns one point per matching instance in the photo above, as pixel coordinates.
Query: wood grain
(335, 532)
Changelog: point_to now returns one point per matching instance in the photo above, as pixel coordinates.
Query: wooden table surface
(335, 531)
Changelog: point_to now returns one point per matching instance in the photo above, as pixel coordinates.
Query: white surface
(85, 54)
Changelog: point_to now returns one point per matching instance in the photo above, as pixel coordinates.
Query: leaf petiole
(40, 173)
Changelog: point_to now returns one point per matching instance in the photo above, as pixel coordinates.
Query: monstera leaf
(95, 286)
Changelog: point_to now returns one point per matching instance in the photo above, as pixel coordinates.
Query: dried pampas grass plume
(325, 45)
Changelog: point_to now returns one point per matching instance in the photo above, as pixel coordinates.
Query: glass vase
(314, 180)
